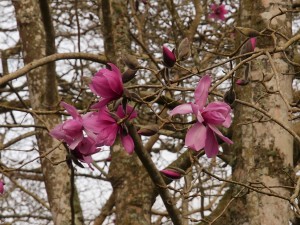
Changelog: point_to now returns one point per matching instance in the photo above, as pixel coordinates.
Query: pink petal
(201, 92)
(116, 70)
(102, 103)
(129, 111)
(70, 109)
(211, 144)
(217, 132)
(197, 112)
(76, 140)
(128, 143)
(196, 136)
(181, 109)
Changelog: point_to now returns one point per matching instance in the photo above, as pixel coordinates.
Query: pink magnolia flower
(71, 131)
(85, 149)
(218, 11)
(110, 127)
(2, 186)
(169, 58)
(172, 174)
(108, 85)
(203, 133)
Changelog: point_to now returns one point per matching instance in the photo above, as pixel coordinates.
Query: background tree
(252, 181)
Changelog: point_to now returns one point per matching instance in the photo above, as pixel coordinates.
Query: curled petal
(196, 136)
(128, 143)
(181, 109)
(217, 113)
(201, 92)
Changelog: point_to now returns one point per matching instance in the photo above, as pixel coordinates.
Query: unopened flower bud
(230, 96)
(2, 186)
(130, 61)
(249, 46)
(149, 130)
(169, 58)
(128, 75)
(242, 82)
(172, 174)
(184, 50)
(248, 32)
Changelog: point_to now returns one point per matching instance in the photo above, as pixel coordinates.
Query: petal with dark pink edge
(201, 92)
(195, 137)
(211, 144)
(181, 109)
(128, 143)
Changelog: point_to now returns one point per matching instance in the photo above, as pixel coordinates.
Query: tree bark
(44, 96)
(263, 149)
(133, 189)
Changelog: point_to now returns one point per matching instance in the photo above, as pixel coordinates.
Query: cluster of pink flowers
(86, 134)
(203, 133)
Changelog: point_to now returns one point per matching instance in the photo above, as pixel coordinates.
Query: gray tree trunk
(263, 149)
(44, 96)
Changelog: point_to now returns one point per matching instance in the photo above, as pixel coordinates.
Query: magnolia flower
(85, 149)
(2, 186)
(110, 127)
(172, 174)
(169, 58)
(218, 11)
(203, 133)
(71, 131)
(108, 85)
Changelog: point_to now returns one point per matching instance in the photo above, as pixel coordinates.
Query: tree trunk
(133, 189)
(263, 149)
(44, 96)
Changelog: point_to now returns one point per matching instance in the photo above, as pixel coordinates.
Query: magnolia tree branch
(51, 58)
(155, 175)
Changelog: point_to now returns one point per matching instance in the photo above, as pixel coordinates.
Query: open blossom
(203, 133)
(109, 127)
(169, 58)
(2, 186)
(108, 85)
(218, 12)
(71, 131)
